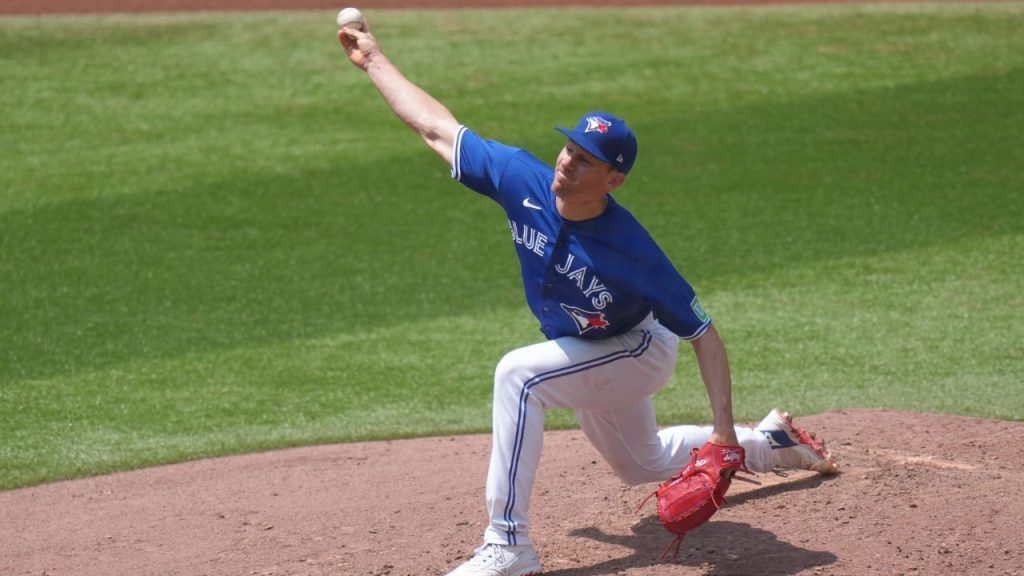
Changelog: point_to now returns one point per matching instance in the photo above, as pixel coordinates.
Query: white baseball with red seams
(351, 18)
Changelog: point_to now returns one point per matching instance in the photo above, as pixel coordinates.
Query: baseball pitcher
(612, 309)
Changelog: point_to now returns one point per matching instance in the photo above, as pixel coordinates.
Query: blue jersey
(592, 279)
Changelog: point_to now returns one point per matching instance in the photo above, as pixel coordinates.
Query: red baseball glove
(693, 495)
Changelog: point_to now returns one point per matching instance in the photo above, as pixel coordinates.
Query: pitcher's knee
(510, 375)
(513, 367)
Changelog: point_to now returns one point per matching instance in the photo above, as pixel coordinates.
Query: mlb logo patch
(597, 124)
(698, 310)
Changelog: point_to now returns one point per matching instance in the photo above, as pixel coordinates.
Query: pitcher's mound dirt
(919, 494)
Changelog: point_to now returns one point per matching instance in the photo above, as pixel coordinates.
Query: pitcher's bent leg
(518, 436)
(563, 373)
(638, 452)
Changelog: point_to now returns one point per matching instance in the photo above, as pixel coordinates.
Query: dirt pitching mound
(919, 494)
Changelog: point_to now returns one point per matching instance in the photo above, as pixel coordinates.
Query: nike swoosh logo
(528, 204)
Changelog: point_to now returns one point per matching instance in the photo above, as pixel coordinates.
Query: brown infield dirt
(919, 494)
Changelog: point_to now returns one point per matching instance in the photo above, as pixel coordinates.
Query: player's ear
(617, 179)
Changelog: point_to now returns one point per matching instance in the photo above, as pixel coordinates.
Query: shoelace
(485, 553)
(808, 438)
(812, 441)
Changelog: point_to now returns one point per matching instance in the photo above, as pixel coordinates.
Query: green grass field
(215, 238)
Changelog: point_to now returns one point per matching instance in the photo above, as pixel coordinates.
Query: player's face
(579, 173)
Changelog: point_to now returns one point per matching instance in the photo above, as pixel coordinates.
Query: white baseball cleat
(795, 447)
(499, 560)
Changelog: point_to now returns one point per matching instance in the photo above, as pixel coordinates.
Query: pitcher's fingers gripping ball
(355, 37)
(691, 497)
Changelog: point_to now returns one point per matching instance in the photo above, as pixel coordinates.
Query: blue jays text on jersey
(594, 278)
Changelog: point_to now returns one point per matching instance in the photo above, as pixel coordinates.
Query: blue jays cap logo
(597, 124)
(607, 137)
(585, 319)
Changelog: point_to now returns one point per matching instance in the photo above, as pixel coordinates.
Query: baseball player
(610, 304)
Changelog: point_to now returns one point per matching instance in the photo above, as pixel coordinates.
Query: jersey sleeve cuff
(699, 332)
(457, 154)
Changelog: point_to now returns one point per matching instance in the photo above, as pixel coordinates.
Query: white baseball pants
(609, 383)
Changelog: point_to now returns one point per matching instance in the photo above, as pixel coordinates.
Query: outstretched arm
(714, 370)
(419, 110)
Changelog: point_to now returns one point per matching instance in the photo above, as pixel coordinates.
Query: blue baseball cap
(607, 137)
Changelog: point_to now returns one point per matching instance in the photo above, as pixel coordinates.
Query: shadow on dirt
(776, 489)
(719, 547)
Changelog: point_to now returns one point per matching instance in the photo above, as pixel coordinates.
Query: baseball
(352, 18)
